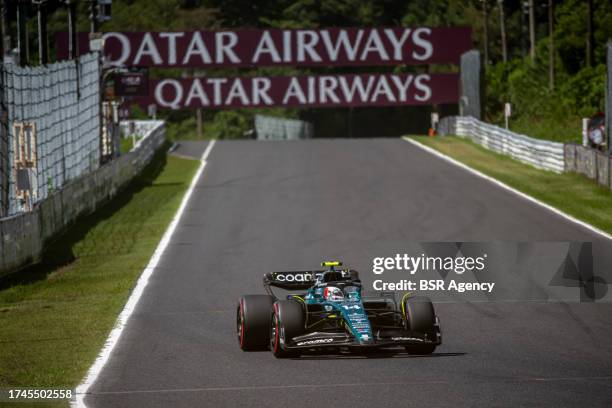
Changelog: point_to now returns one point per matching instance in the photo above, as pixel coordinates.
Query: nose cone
(357, 319)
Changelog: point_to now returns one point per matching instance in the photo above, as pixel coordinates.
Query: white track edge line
(510, 189)
(338, 385)
(143, 280)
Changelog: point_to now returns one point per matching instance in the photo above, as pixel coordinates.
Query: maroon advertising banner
(275, 47)
(303, 91)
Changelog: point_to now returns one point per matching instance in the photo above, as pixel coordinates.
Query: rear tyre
(253, 321)
(288, 321)
(420, 317)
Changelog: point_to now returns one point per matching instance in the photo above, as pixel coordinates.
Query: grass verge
(126, 144)
(55, 317)
(571, 193)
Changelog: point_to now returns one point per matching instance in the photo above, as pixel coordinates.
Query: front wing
(388, 338)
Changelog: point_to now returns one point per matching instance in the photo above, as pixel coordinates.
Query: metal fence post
(608, 124)
(2, 31)
(22, 36)
(4, 145)
(471, 85)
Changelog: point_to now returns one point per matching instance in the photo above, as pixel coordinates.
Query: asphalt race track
(263, 206)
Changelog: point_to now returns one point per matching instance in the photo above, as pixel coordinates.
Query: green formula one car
(325, 309)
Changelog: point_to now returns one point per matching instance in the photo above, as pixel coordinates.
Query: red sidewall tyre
(253, 317)
(288, 320)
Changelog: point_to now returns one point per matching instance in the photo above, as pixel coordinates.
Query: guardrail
(23, 235)
(539, 153)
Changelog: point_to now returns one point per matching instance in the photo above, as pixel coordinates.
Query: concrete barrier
(602, 161)
(585, 162)
(592, 163)
(24, 235)
(569, 154)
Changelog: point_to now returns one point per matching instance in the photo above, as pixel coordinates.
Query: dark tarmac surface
(263, 206)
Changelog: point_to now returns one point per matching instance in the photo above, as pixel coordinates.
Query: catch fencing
(543, 154)
(53, 128)
(23, 235)
(271, 128)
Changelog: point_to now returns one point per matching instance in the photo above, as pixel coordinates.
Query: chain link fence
(53, 128)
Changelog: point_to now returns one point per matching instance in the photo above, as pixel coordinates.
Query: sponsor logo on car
(294, 277)
(406, 339)
(301, 276)
(317, 341)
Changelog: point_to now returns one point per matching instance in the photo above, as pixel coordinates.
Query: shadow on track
(374, 355)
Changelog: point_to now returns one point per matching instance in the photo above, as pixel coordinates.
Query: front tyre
(253, 321)
(420, 317)
(288, 321)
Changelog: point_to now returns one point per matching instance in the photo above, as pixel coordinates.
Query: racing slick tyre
(288, 321)
(420, 317)
(253, 321)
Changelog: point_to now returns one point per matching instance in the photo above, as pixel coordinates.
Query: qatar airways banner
(303, 91)
(250, 47)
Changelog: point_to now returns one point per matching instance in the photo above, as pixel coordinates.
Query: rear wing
(295, 280)
(302, 280)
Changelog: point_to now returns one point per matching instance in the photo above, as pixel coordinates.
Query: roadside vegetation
(55, 317)
(223, 124)
(126, 144)
(540, 108)
(571, 193)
